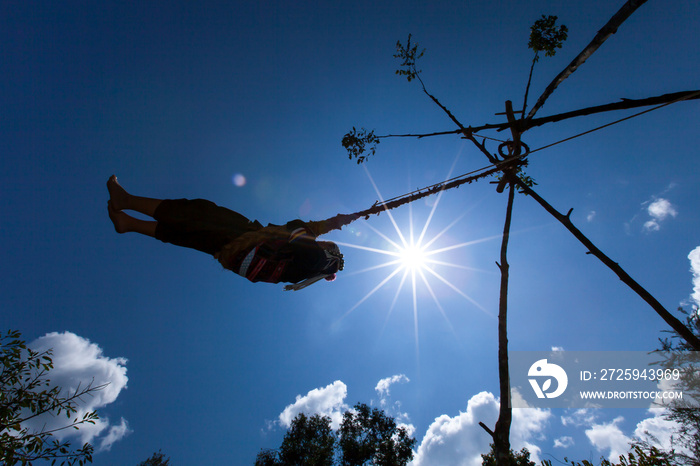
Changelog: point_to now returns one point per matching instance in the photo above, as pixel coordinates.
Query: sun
(413, 263)
(412, 257)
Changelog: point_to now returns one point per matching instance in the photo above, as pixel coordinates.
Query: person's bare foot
(118, 218)
(118, 196)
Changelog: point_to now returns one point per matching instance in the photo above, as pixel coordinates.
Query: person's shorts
(199, 224)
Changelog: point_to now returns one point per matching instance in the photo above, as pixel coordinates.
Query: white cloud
(394, 410)
(609, 436)
(657, 429)
(528, 425)
(328, 401)
(660, 432)
(563, 442)
(116, 432)
(459, 440)
(659, 210)
(383, 385)
(77, 363)
(694, 258)
(410, 428)
(609, 439)
(652, 225)
(580, 417)
(590, 216)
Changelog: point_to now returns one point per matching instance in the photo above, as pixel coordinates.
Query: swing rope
(341, 220)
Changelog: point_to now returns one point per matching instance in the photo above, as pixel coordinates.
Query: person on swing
(273, 254)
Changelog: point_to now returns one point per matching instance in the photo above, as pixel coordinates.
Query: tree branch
(675, 324)
(485, 427)
(421, 135)
(624, 104)
(609, 29)
(501, 433)
(437, 102)
(63, 403)
(529, 80)
(467, 132)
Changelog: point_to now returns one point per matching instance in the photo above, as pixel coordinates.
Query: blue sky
(179, 98)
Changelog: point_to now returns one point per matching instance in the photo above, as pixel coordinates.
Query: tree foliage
(309, 440)
(637, 457)
(410, 56)
(25, 394)
(157, 459)
(366, 436)
(546, 37)
(521, 458)
(267, 457)
(356, 142)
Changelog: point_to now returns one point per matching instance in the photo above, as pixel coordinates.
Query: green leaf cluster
(521, 458)
(528, 180)
(157, 459)
(637, 457)
(546, 37)
(357, 142)
(369, 435)
(25, 393)
(309, 440)
(366, 436)
(409, 55)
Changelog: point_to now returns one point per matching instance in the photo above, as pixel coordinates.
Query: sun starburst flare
(412, 259)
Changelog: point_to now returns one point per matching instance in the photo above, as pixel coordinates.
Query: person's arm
(300, 231)
(321, 227)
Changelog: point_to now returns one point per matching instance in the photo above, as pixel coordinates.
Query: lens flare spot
(239, 180)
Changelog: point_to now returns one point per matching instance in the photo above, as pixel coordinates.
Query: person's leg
(124, 223)
(199, 224)
(193, 223)
(121, 200)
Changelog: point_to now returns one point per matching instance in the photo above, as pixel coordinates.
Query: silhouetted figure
(273, 254)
